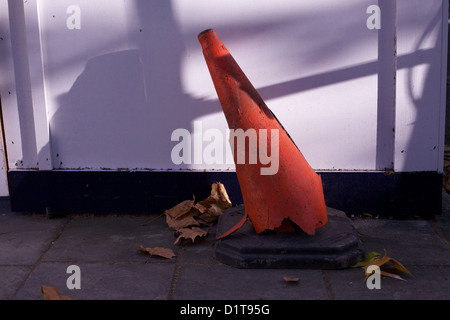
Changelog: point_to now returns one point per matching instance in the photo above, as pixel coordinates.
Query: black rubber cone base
(334, 246)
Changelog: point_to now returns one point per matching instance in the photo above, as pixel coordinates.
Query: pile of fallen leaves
(190, 220)
(388, 266)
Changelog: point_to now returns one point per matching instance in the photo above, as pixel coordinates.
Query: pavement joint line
(431, 267)
(58, 232)
(176, 272)
(439, 232)
(328, 287)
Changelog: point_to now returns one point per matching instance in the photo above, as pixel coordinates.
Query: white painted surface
(112, 88)
(420, 107)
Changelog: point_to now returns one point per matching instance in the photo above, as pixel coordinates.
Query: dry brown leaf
(190, 233)
(186, 217)
(391, 275)
(180, 209)
(212, 207)
(290, 279)
(52, 293)
(212, 213)
(182, 215)
(183, 221)
(186, 213)
(219, 193)
(201, 206)
(218, 196)
(158, 251)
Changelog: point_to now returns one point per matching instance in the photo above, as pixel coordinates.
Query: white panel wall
(420, 109)
(110, 81)
(313, 62)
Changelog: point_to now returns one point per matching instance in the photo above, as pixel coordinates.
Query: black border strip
(399, 195)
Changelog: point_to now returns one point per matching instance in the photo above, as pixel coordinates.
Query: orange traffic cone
(273, 199)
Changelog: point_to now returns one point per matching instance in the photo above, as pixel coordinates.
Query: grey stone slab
(427, 283)
(201, 251)
(113, 239)
(442, 227)
(220, 282)
(11, 279)
(149, 281)
(412, 242)
(25, 237)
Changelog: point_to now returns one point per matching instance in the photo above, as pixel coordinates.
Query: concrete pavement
(36, 251)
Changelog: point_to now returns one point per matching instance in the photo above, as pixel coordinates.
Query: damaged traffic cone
(289, 191)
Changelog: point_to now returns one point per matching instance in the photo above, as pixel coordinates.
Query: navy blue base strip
(400, 195)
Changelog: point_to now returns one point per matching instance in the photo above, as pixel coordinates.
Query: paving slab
(201, 251)
(24, 237)
(103, 281)
(221, 282)
(427, 283)
(412, 242)
(110, 238)
(11, 279)
(36, 251)
(201, 277)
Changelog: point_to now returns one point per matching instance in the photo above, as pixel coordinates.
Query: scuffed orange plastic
(294, 194)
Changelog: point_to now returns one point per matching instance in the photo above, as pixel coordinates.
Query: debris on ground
(188, 219)
(190, 233)
(52, 293)
(389, 266)
(290, 279)
(158, 251)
